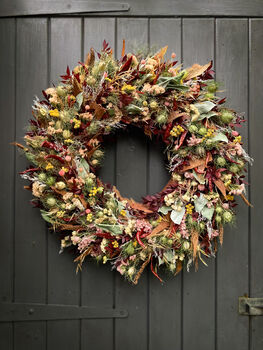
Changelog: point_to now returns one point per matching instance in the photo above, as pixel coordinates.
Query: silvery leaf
(164, 209)
(208, 212)
(177, 216)
(114, 229)
(200, 202)
(204, 107)
(219, 137)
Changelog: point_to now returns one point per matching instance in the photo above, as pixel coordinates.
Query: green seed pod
(202, 131)
(30, 157)
(183, 152)
(61, 91)
(163, 240)
(220, 161)
(60, 185)
(129, 249)
(162, 118)
(65, 116)
(110, 205)
(226, 116)
(212, 87)
(170, 242)
(193, 128)
(98, 154)
(218, 219)
(89, 181)
(42, 177)
(99, 214)
(227, 216)
(50, 180)
(51, 201)
(93, 128)
(66, 134)
(201, 225)
(200, 150)
(209, 96)
(234, 168)
(219, 210)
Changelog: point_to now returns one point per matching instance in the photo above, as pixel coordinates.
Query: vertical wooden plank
(232, 265)
(131, 176)
(7, 154)
(97, 286)
(30, 235)
(63, 283)
(199, 287)
(164, 300)
(256, 146)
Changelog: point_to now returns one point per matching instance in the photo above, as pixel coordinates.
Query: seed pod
(193, 128)
(61, 91)
(226, 116)
(60, 185)
(200, 150)
(227, 216)
(234, 168)
(42, 177)
(220, 161)
(162, 118)
(51, 201)
(202, 131)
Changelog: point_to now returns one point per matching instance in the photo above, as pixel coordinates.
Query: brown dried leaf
(196, 70)
(246, 201)
(221, 234)
(141, 270)
(179, 266)
(70, 227)
(160, 54)
(220, 185)
(194, 240)
(76, 87)
(99, 110)
(174, 115)
(139, 206)
(162, 226)
(90, 58)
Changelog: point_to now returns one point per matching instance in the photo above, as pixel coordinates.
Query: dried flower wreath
(176, 226)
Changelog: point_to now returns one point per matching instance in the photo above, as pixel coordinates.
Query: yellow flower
(123, 212)
(93, 191)
(104, 259)
(159, 219)
(54, 113)
(68, 141)
(115, 244)
(77, 123)
(108, 79)
(176, 131)
(49, 166)
(134, 244)
(238, 139)
(127, 88)
(189, 208)
(229, 197)
(89, 217)
(60, 213)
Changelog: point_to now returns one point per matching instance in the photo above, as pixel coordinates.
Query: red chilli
(155, 274)
(139, 239)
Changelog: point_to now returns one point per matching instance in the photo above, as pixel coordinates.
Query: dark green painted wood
(256, 146)
(97, 281)
(232, 266)
(198, 287)
(30, 236)
(63, 282)
(7, 154)
(131, 178)
(164, 300)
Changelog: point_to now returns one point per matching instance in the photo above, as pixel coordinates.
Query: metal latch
(57, 7)
(250, 306)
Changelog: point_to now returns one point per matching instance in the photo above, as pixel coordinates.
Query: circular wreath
(206, 160)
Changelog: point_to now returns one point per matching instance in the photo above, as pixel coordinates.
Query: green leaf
(169, 255)
(177, 216)
(164, 209)
(219, 137)
(200, 202)
(114, 229)
(204, 107)
(84, 165)
(46, 216)
(79, 100)
(208, 212)
(206, 115)
(200, 178)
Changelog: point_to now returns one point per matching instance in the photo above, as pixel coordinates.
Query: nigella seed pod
(51, 202)
(61, 91)
(161, 118)
(227, 216)
(202, 131)
(193, 128)
(200, 151)
(42, 177)
(234, 168)
(60, 185)
(50, 180)
(98, 154)
(220, 161)
(226, 116)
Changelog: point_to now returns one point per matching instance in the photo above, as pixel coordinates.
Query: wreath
(175, 227)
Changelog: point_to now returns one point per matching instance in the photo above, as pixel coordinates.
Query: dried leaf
(123, 48)
(194, 163)
(141, 270)
(70, 227)
(99, 110)
(162, 226)
(160, 54)
(220, 185)
(139, 206)
(246, 201)
(196, 70)
(194, 240)
(90, 58)
(179, 266)
(76, 87)
(221, 234)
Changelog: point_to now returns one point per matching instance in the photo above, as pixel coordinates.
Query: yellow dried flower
(49, 166)
(54, 113)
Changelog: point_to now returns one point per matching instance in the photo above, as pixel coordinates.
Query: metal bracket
(38, 312)
(250, 306)
(57, 7)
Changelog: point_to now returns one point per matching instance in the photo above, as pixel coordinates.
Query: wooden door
(193, 310)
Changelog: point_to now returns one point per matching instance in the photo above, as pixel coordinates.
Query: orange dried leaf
(160, 54)
(123, 48)
(220, 185)
(162, 226)
(90, 58)
(139, 206)
(194, 240)
(76, 87)
(99, 110)
(196, 70)
(221, 234)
